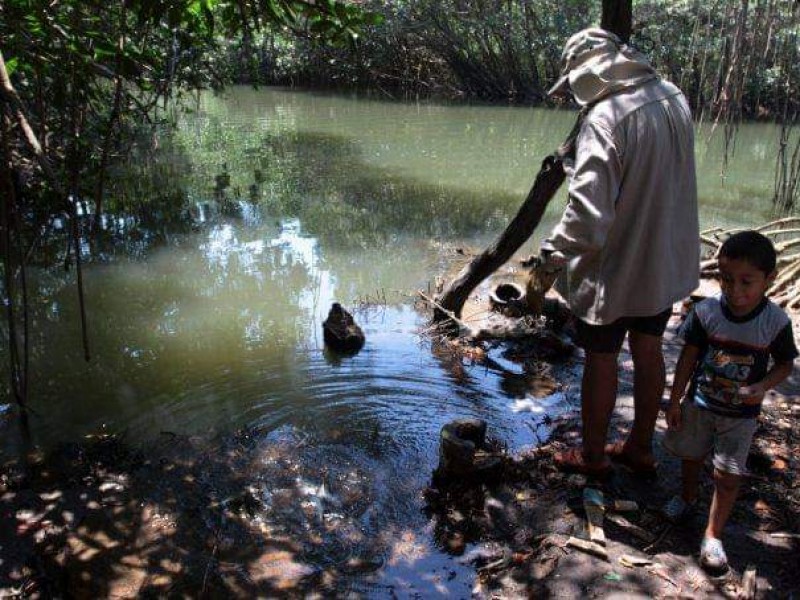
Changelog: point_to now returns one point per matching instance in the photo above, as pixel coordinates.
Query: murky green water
(268, 205)
(205, 312)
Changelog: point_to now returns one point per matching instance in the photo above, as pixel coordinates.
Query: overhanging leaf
(11, 65)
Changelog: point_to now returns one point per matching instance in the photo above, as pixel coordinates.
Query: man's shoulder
(614, 109)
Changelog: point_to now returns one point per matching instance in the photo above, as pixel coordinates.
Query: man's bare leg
(649, 380)
(598, 397)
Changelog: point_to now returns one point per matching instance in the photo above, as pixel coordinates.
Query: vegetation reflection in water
(223, 250)
(205, 305)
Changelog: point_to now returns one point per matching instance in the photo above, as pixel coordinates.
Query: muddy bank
(525, 523)
(243, 516)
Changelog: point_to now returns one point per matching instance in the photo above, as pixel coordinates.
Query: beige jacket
(630, 229)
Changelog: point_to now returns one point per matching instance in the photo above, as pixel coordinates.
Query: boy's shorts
(609, 338)
(703, 431)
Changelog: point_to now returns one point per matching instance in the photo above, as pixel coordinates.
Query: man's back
(632, 219)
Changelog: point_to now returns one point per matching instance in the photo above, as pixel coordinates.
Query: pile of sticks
(785, 236)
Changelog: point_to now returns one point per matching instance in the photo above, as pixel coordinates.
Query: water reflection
(222, 329)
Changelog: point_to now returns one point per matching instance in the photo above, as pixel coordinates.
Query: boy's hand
(751, 393)
(674, 415)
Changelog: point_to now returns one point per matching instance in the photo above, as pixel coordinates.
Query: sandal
(572, 461)
(616, 452)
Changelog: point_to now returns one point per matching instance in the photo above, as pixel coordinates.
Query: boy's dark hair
(752, 247)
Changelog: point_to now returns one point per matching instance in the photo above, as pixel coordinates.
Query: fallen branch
(448, 313)
(635, 530)
(785, 535)
(787, 275)
(658, 571)
(748, 587)
(778, 222)
(659, 539)
(785, 290)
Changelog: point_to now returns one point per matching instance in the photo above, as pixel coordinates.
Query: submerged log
(550, 177)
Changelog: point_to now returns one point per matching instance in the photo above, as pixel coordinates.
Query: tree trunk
(617, 18)
(548, 180)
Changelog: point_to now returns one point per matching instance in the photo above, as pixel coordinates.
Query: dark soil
(531, 513)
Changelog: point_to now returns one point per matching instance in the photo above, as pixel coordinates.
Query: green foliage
(87, 76)
(89, 72)
(489, 49)
(734, 59)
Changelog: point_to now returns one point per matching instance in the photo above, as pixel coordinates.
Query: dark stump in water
(340, 331)
(463, 453)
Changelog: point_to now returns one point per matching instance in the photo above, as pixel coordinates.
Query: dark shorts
(609, 338)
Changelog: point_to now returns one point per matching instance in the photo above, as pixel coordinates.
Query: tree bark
(9, 95)
(618, 18)
(548, 180)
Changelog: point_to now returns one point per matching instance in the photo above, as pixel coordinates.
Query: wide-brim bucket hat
(595, 63)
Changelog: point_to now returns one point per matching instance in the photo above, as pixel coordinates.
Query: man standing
(628, 240)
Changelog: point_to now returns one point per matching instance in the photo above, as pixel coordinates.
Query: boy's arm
(687, 362)
(783, 351)
(683, 372)
(778, 372)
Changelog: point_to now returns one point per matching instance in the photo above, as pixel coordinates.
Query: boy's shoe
(712, 555)
(677, 509)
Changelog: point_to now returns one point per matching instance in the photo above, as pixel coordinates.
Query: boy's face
(743, 284)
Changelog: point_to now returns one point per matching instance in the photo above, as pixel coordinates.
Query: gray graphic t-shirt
(735, 352)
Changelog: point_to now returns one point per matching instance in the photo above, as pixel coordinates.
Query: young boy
(729, 340)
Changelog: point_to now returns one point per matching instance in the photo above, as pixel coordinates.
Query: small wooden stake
(593, 505)
(587, 546)
(749, 585)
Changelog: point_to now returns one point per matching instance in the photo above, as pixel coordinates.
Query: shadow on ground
(242, 518)
(531, 517)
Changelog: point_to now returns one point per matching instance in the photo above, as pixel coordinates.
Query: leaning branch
(550, 177)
